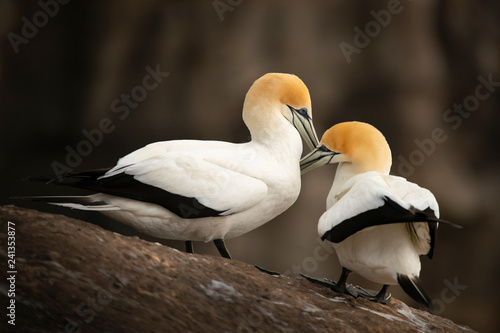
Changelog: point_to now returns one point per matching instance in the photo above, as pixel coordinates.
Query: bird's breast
(377, 253)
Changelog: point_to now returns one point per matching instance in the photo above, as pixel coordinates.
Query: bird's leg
(322, 282)
(189, 247)
(340, 286)
(382, 296)
(219, 243)
(267, 271)
(225, 253)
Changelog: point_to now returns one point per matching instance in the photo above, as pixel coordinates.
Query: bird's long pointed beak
(304, 124)
(320, 156)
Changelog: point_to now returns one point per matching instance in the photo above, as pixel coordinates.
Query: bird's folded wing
(424, 234)
(369, 202)
(418, 197)
(161, 147)
(187, 185)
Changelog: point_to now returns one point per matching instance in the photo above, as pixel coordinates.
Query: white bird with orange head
(208, 190)
(379, 224)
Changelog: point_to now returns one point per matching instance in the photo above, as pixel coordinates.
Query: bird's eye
(324, 149)
(302, 111)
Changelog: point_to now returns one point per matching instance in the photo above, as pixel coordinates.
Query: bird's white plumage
(154, 149)
(416, 196)
(380, 251)
(366, 191)
(242, 185)
(244, 181)
(197, 174)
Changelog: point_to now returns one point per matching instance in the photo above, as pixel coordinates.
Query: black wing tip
(82, 200)
(69, 178)
(34, 198)
(430, 254)
(332, 237)
(451, 224)
(414, 288)
(433, 219)
(19, 198)
(45, 179)
(427, 215)
(127, 186)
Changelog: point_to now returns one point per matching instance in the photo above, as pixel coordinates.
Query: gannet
(379, 224)
(208, 190)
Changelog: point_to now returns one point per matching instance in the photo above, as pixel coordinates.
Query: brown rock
(73, 276)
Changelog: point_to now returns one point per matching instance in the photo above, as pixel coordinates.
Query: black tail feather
(428, 216)
(126, 186)
(70, 179)
(45, 179)
(413, 287)
(81, 200)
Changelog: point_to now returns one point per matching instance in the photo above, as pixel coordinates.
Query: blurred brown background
(65, 67)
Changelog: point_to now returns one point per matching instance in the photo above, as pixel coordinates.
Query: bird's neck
(277, 134)
(346, 171)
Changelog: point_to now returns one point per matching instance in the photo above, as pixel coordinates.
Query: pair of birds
(210, 190)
